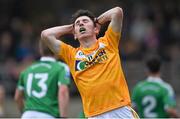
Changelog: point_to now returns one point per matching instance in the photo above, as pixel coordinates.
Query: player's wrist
(97, 21)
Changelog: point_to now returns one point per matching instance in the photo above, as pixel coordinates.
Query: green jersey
(41, 82)
(152, 97)
(82, 115)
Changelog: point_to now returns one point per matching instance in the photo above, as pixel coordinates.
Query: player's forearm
(50, 36)
(19, 99)
(57, 31)
(113, 13)
(20, 104)
(64, 101)
(64, 107)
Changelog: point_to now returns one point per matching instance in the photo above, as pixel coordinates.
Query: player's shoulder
(139, 86)
(167, 86)
(64, 65)
(141, 83)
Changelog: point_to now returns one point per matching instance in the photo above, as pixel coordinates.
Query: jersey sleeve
(64, 76)
(20, 84)
(169, 97)
(65, 52)
(111, 38)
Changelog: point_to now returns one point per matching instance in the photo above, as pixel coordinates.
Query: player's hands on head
(72, 28)
(98, 25)
(97, 22)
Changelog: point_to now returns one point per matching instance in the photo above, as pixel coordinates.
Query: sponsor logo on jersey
(87, 61)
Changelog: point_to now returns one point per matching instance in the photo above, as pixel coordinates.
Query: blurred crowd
(150, 27)
(153, 27)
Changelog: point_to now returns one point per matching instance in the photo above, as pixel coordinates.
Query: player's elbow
(64, 91)
(118, 12)
(18, 95)
(44, 34)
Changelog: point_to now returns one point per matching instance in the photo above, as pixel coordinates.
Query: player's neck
(88, 42)
(154, 74)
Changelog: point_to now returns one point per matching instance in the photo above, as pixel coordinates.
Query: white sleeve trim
(20, 87)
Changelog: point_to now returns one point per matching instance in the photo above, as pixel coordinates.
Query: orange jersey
(98, 74)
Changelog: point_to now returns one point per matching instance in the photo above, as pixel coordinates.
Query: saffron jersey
(98, 74)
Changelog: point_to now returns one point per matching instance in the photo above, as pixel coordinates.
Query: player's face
(84, 28)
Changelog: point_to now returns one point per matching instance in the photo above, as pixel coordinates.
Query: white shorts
(36, 115)
(125, 112)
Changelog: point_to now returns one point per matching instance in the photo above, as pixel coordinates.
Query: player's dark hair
(154, 64)
(82, 12)
(44, 50)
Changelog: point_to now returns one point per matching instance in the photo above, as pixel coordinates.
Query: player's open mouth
(82, 30)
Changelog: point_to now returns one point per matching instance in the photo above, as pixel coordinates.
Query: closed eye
(77, 23)
(85, 20)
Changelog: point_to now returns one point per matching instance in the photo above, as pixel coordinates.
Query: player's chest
(84, 61)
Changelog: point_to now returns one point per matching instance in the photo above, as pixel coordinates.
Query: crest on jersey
(80, 65)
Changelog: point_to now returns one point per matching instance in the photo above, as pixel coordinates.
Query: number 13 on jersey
(41, 79)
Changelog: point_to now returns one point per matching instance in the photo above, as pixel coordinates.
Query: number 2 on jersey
(150, 103)
(41, 77)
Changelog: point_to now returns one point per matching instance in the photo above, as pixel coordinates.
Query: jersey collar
(91, 49)
(50, 59)
(154, 79)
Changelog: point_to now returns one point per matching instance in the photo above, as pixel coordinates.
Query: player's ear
(97, 29)
(97, 26)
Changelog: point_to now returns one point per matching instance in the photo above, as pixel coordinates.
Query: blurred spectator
(6, 43)
(2, 100)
